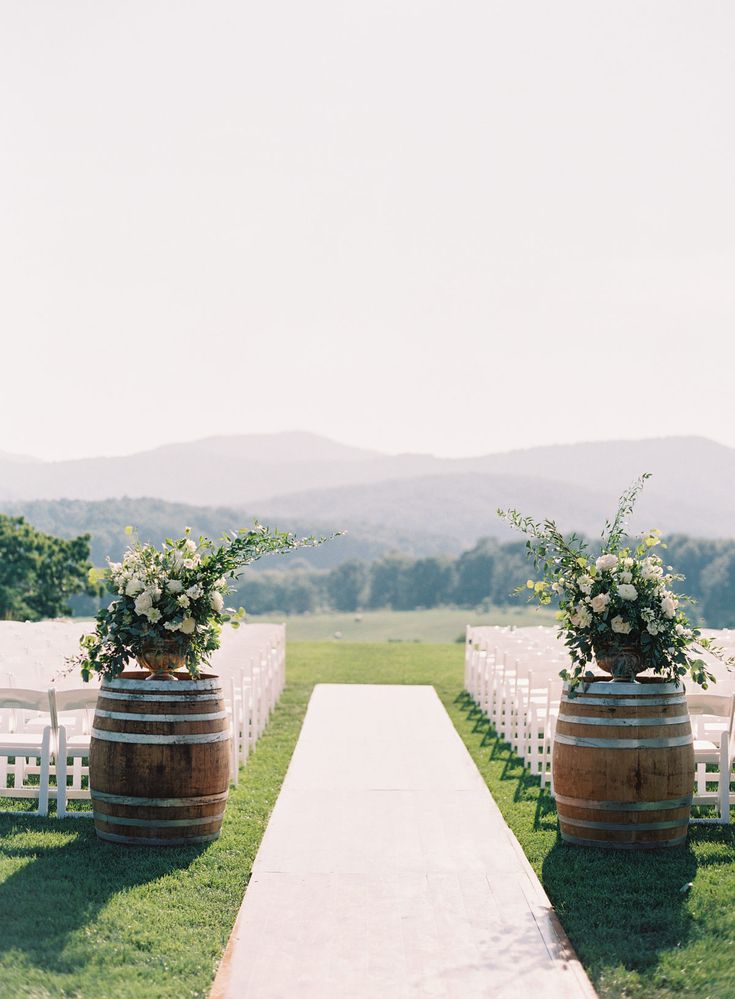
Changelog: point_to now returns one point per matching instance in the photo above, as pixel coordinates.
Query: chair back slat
(75, 699)
(717, 705)
(24, 699)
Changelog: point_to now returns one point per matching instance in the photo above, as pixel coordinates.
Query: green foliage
(484, 575)
(39, 573)
(171, 600)
(620, 603)
(346, 585)
(431, 582)
(389, 583)
(294, 591)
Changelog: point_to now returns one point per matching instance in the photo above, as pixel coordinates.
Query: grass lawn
(443, 624)
(85, 919)
(81, 918)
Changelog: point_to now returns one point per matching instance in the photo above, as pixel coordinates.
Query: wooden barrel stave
(623, 766)
(159, 761)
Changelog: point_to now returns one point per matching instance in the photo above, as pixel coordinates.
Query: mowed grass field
(442, 625)
(85, 919)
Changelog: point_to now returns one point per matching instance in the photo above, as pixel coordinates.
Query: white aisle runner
(387, 871)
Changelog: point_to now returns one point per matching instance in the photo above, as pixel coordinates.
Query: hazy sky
(456, 227)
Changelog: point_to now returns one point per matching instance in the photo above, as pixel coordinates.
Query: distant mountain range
(413, 502)
(691, 492)
(230, 470)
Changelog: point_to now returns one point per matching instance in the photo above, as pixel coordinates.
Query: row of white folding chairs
(522, 705)
(254, 693)
(43, 730)
(713, 729)
(39, 749)
(516, 685)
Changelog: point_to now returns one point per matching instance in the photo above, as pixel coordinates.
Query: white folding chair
(234, 706)
(712, 724)
(246, 699)
(74, 747)
(24, 749)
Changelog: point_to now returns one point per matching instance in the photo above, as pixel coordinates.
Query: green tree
(39, 573)
(390, 582)
(346, 585)
(718, 591)
(475, 569)
(431, 582)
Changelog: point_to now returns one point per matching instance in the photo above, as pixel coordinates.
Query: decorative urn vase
(622, 659)
(161, 659)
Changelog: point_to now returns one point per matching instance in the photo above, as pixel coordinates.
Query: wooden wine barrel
(623, 765)
(159, 762)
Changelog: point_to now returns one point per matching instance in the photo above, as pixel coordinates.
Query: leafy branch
(614, 531)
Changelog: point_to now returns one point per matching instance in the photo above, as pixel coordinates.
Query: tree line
(485, 575)
(44, 576)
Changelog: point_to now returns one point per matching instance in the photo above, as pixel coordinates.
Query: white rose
(585, 582)
(668, 604)
(600, 602)
(627, 562)
(627, 592)
(581, 618)
(626, 577)
(174, 586)
(620, 626)
(217, 602)
(650, 569)
(188, 626)
(606, 562)
(134, 586)
(190, 546)
(183, 600)
(143, 603)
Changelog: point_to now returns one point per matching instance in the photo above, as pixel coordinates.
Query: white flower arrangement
(172, 599)
(623, 599)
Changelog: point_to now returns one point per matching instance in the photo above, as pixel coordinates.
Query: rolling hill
(416, 503)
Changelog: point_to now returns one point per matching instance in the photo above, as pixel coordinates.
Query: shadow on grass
(63, 878)
(621, 907)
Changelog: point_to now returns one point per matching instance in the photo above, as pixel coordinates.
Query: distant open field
(438, 625)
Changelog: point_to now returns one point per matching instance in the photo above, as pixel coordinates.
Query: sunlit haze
(446, 227)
